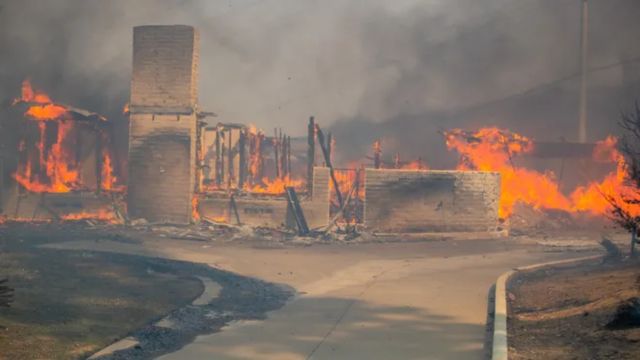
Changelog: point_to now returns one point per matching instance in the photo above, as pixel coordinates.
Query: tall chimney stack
(162, 129)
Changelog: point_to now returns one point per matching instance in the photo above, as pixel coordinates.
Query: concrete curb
(210, 291)
(500, 348)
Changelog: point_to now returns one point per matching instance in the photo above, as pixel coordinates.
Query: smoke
(370, 69)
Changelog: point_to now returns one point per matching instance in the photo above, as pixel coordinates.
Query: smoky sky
(369, 69)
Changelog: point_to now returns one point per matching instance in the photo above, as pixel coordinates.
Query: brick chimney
(162, 136)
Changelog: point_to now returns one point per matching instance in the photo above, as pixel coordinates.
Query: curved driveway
(366, 301)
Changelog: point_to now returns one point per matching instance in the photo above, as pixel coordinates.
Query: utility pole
(584, 51)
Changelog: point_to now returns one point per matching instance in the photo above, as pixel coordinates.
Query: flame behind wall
(493, 149)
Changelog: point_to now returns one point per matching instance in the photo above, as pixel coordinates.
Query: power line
(548, 85)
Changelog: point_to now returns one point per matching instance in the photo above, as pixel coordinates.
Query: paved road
(368, 301)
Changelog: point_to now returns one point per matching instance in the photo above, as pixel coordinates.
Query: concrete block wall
(406, 201)
(162, 127)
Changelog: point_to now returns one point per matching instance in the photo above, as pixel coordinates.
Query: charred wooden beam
(311, 153)
(242, 168)
(233, 208)
(327, 159)
(218, 163)
(296, 209)
(330, 145)
(200, 164)
(289, 155)
(377, 154)
(276, 150)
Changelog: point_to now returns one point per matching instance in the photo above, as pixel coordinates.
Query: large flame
(274, 187)
(57, 171)
(595, 197)
(492, 149)
(48, 166)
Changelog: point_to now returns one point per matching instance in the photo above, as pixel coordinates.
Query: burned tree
(626, 203)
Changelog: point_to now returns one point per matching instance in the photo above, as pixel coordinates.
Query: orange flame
(100, 215)
(592, 198)
(52, 167)
(57, 171)
(492, 149)
(44, 109)
(195, 211)
(108, 179)
(274, 187)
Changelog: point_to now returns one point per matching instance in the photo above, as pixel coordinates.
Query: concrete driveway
(368, 301)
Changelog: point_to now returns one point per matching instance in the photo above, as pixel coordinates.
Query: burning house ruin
(65, 163)
(185, 166)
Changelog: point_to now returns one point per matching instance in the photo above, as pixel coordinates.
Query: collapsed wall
(163, 120)
(401, 201)
(272, 211)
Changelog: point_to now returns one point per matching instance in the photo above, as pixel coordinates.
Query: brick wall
(431, 201)
(162, 127)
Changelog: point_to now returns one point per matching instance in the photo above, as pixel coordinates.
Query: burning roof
(51, 164)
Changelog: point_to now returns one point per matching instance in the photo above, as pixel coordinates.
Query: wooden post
(276, 150)
(311, 153)
(377, 154)
(296, 209)
(233, 207)
(327, 159)
(330, 146)
(218, 159)
(289, 155)
(260, 174)
(242, 167)
(283, 154)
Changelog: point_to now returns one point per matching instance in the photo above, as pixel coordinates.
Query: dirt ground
(562, 313)
(70, 304)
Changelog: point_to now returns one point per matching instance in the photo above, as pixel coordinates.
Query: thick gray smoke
(394, 69)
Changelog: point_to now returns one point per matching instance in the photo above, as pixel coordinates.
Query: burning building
(182, 167)
(65, 163)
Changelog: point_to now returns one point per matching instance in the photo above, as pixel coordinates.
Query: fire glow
(51, 166)
(492, 149)
(275, 187)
